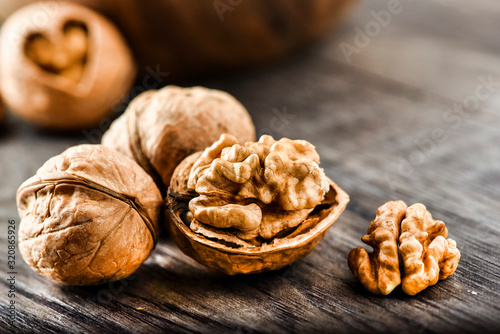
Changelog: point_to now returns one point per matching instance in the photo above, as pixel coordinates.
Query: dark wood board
(372, 120)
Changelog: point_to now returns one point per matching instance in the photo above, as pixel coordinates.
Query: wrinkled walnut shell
(162, 127)
(88, 216)
(64, 81)
(231, 259)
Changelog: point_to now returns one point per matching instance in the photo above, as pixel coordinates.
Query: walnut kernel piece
(160, 128)
(426, 254)
(238, 184)
(88, 216)
(379, 271)
(67, 72)
(234, 219)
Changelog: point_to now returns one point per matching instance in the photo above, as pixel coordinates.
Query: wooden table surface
(388, 124)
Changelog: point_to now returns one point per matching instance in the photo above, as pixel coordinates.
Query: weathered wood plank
(372, 121)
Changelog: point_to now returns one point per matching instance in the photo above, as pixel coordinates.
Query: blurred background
(401, 99)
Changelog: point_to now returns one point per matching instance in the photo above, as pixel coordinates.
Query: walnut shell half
(229, 246)
(63, 66)
(88, 216)
(234, 259)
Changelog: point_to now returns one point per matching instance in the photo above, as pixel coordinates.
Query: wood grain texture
(369, 119)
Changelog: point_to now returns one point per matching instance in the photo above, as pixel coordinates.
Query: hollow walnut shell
(65, 68)
(88, 216)
(233, 254)
(162, 127)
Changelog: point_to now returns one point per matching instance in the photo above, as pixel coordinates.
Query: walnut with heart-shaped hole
(66, 58)
(65, 68)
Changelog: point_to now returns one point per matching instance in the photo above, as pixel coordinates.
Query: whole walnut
(88, 216)
(162, 127)
(63, 68)
(189, 36)
(254, 207)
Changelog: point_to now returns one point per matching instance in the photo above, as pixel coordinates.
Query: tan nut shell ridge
(58, 101)
(162, 127)
(426, 253)
(228, 252)
(379, 271)
(88, 216)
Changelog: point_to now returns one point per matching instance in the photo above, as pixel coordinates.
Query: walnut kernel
(259, 188)
(253, 207)
(379, 271)
(426, 254)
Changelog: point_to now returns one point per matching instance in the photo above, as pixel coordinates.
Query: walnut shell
(162, 127)
(190, 36)
(88, 216)
(63, 68)
(233, 255)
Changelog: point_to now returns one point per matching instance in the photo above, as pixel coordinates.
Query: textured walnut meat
(160, 128)
(88, 216)
(66, 72)
(426, 254)
(379, 271)
(253, 207)
(260, 189)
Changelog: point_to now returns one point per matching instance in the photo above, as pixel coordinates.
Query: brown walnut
(253, 207)
(63, 69)
(162, 127)
(88, 216)
(409, 233)
(189, 36)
